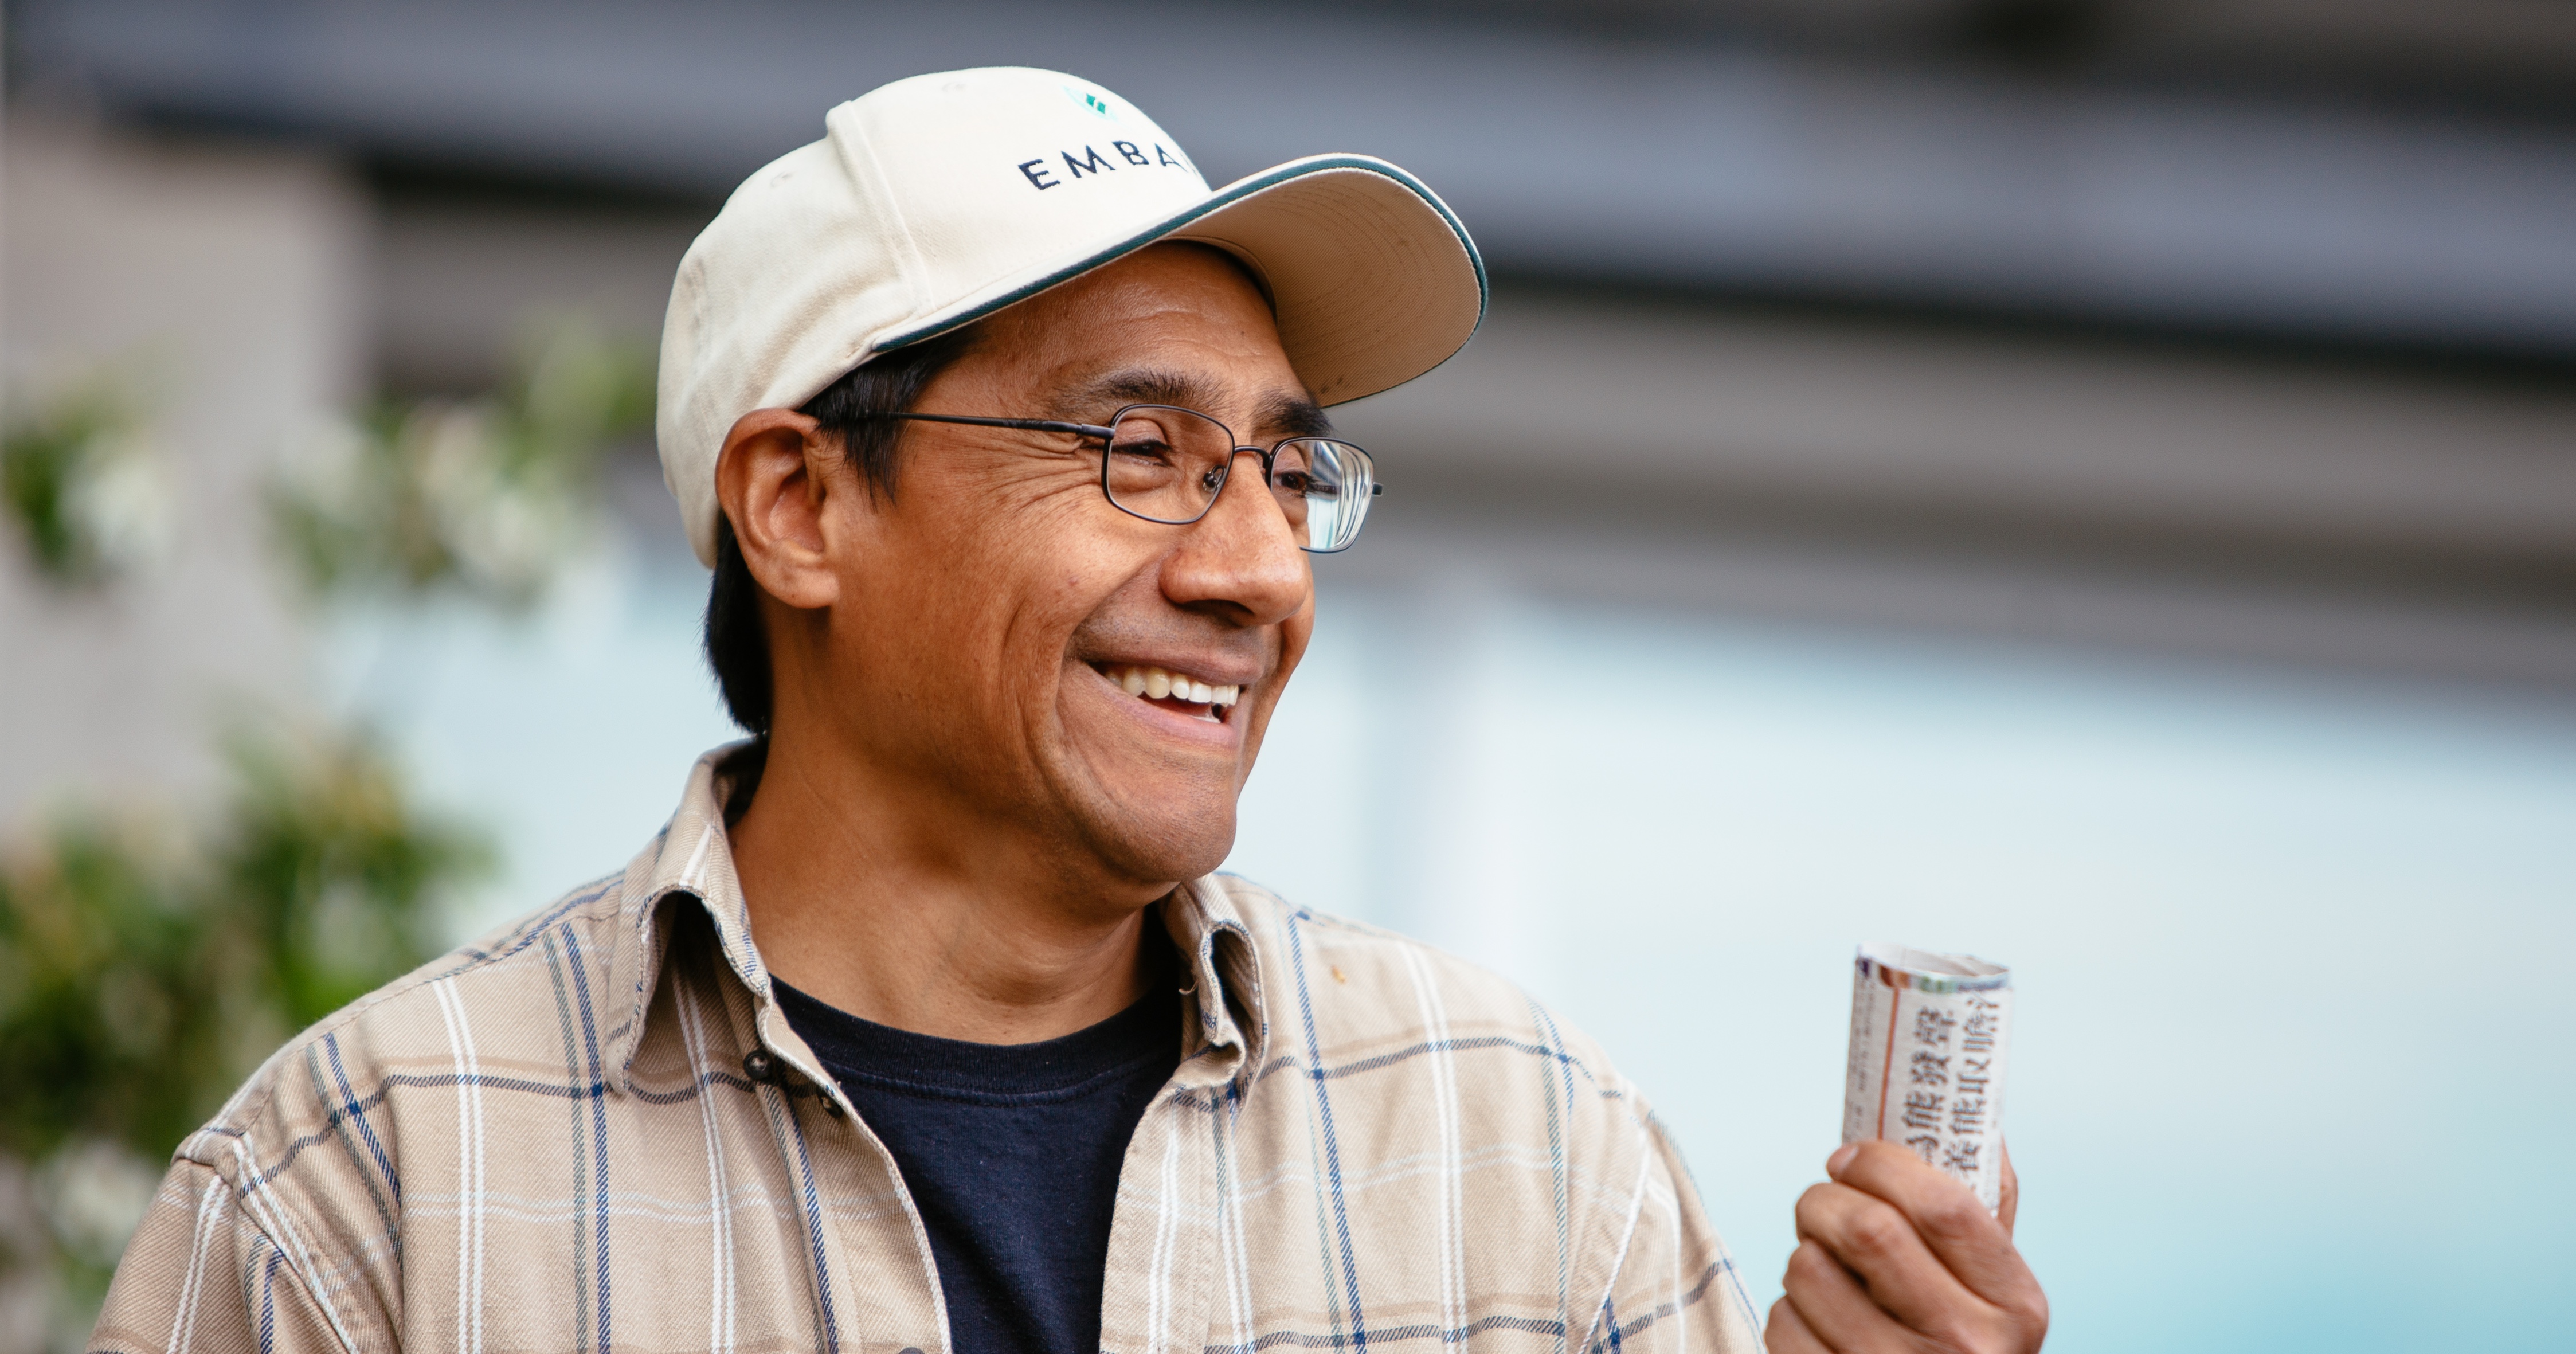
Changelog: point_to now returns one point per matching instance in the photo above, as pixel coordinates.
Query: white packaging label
(1929, 1035)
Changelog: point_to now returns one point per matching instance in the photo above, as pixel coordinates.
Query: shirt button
(911, 1349)
(759, 1066)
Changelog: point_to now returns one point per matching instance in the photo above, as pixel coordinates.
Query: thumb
(2010, 1202)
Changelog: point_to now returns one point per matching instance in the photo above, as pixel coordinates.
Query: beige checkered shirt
(548, 1141)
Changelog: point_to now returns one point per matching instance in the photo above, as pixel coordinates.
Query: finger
(1784, 1333)
(1878, 1246)
(2011, 1203)
(1833, 1307)
(1970, 1242)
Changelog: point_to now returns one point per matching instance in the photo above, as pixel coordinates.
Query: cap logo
(1090, 102)
(1042, 176)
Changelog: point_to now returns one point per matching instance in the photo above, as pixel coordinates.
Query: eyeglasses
(1167, 464)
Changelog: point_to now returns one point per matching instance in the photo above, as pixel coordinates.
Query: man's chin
(1152, 808)
(1142, 837)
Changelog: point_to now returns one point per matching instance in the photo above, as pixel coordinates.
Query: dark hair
(737, 642)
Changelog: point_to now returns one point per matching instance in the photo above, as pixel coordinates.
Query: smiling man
(924, 1025)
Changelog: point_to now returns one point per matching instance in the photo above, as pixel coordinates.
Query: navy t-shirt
(1011, 1152)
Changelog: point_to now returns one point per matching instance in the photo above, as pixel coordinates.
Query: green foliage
(145, 972)
(106, 1021)
(484, 496)
(87, 496)
(141, 976)
(325, 865)
(146, 968)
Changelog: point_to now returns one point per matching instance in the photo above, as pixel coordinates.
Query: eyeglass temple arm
(1034, 425)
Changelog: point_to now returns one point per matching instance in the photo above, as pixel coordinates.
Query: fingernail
(1842, 1157)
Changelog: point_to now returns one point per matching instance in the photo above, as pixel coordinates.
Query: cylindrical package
(1928, 1040)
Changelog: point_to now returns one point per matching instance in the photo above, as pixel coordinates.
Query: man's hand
(1896, 1256)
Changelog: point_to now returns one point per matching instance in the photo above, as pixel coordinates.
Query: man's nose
(1242, 556)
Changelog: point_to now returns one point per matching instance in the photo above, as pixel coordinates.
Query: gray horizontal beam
(1641, 412)
(1677, 163)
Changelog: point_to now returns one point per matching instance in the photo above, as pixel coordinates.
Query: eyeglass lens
(1170, 464)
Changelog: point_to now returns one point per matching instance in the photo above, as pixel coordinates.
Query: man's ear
(772, 480)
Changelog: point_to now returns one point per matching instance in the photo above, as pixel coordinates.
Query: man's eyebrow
(1096, 397)
(1293, 416)
(1281, 414)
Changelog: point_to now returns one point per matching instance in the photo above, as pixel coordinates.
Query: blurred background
(2084, 482)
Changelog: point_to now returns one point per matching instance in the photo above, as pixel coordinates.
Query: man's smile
(1173, 690)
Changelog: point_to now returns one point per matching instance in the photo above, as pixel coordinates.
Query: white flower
(93, 1195)
(120, 501)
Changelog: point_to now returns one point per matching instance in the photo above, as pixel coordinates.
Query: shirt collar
(1225, 973)
(692, 860)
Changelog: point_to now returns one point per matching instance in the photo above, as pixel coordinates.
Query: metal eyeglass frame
(1105, 434)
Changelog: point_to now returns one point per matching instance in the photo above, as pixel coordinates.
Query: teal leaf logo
(1092, 103)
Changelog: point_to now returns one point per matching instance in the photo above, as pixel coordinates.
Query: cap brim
(1372, 278)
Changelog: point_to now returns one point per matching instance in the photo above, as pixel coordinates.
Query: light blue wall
(2287, 1070)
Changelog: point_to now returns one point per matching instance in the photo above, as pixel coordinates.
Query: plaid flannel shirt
(549, 1140)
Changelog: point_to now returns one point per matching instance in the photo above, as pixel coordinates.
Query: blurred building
(2232, 335)
(2241, 330)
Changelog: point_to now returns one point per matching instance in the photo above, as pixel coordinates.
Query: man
(923, 1026)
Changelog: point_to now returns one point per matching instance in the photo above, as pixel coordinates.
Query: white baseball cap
(932, 202)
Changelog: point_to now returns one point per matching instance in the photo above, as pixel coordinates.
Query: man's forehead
(1285, 409)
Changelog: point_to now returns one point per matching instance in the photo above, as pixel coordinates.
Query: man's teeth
(1158, 684)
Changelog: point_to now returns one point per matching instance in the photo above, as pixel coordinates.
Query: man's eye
(1153, 449)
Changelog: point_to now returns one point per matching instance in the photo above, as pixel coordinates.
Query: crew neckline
(857, 1049)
